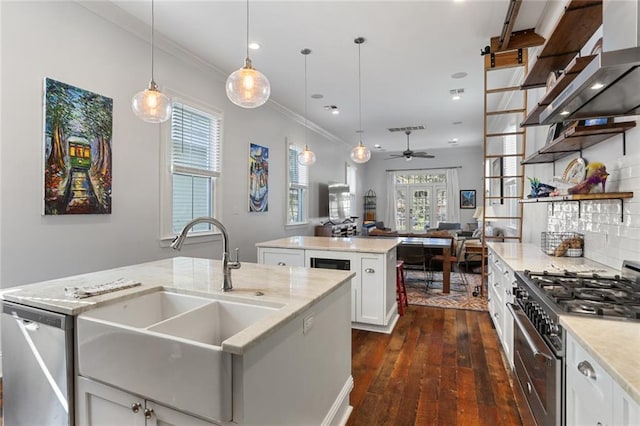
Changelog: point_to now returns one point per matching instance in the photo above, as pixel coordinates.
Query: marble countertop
(614, 344)
(356, 244)
(294, 288)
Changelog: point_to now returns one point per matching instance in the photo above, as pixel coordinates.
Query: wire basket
(569, 244)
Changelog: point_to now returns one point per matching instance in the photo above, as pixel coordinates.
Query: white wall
(469, 159)
(67, 42)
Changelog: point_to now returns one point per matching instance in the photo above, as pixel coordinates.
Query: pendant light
(247, 87)
(360, 154)
(151, 105)
(306, 157)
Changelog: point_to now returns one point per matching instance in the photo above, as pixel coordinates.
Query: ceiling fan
(408, 154)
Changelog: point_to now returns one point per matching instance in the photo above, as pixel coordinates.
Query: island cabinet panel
(282, 257)
(372, 290)
(626, 411)
(100, 404)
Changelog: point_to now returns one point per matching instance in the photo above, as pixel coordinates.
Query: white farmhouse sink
(166, 347)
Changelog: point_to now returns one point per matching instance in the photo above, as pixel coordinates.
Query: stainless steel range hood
(610, 85)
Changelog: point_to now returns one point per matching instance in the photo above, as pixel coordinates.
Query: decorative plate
(574, 173)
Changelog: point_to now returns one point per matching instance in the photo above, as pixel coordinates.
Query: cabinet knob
(370, 270)
(135, 407)
(587, 370)
(282, 264)
(148, 412)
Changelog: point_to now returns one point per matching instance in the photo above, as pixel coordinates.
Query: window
(351, 179)
(298, 186)
(420, 201)
(194, 160)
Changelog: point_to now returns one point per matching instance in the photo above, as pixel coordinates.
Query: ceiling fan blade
(423, 155)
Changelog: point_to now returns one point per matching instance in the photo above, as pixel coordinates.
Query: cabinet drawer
(282, 257)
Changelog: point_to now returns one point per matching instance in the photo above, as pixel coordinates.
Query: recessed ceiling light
(456, 94)
(460, 74)
(453, 141)
(317, 96)
(377, 146)
(334, 109)
(564, 112)
(597, 86)
(254, 46)
(455, 123)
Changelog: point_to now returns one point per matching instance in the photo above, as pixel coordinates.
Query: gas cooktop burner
(591, 307)
(590, 294)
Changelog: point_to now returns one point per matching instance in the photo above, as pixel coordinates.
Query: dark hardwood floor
(439, 367)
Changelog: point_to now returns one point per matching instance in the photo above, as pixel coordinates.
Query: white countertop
(530, 256)
(294, 287)
(356, 244)
(614, 344)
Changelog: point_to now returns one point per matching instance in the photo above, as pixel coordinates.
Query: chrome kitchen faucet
(227, 265)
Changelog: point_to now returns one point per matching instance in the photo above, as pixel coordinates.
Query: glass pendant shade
(247, 87)
(307, 157)
(151, 105)
(360, 154)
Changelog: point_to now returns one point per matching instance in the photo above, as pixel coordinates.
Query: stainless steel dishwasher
(37, 364)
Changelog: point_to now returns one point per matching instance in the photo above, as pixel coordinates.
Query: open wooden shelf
(580, 20)
(570, 73)
(580, 197)
(600, 196)
(576, 139)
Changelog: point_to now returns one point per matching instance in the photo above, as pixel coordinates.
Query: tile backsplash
(611, 228)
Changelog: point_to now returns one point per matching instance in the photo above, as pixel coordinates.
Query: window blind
(298, 173)
(195, 137)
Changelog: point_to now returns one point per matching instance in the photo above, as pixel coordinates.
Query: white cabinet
(99, 404)
(626, 411)
(593, 397)
(500, 282)
(280, 256)
(373, 288)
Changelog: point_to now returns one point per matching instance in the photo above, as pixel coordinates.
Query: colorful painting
(468, 199)
(258, 178)
(77, 154)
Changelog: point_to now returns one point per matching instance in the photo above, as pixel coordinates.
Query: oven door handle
(516, 313)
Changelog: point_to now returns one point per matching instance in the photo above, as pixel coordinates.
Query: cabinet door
(372, 290)
(282, 257)
(626, 411)
(589, 388)
(159, 415)
(508, 282)
(100, 404)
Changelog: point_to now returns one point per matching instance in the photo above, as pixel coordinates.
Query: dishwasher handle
(27, 313)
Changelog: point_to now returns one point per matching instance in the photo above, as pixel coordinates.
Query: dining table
(435, 242)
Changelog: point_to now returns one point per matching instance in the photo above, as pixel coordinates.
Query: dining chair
(436, 258)
(413, 258)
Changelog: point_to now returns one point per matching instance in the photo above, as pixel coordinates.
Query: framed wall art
(468, 199)
(77, 150)
(258, 178)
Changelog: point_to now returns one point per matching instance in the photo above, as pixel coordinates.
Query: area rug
(458, 298)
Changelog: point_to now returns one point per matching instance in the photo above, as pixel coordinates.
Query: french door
(420, 207)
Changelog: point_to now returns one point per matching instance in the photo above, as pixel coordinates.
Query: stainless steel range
(539, 339)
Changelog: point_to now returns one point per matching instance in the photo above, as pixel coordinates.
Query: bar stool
(401, 289)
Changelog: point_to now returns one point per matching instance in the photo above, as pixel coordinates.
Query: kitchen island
(291, 365)
(610, 344)
(373, 260)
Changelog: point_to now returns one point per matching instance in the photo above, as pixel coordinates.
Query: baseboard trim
(387, 329)
(340, 410)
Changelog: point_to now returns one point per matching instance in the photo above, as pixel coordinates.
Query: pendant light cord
(152, 31)
(305, 99)
(247, 28)
(359, 92)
